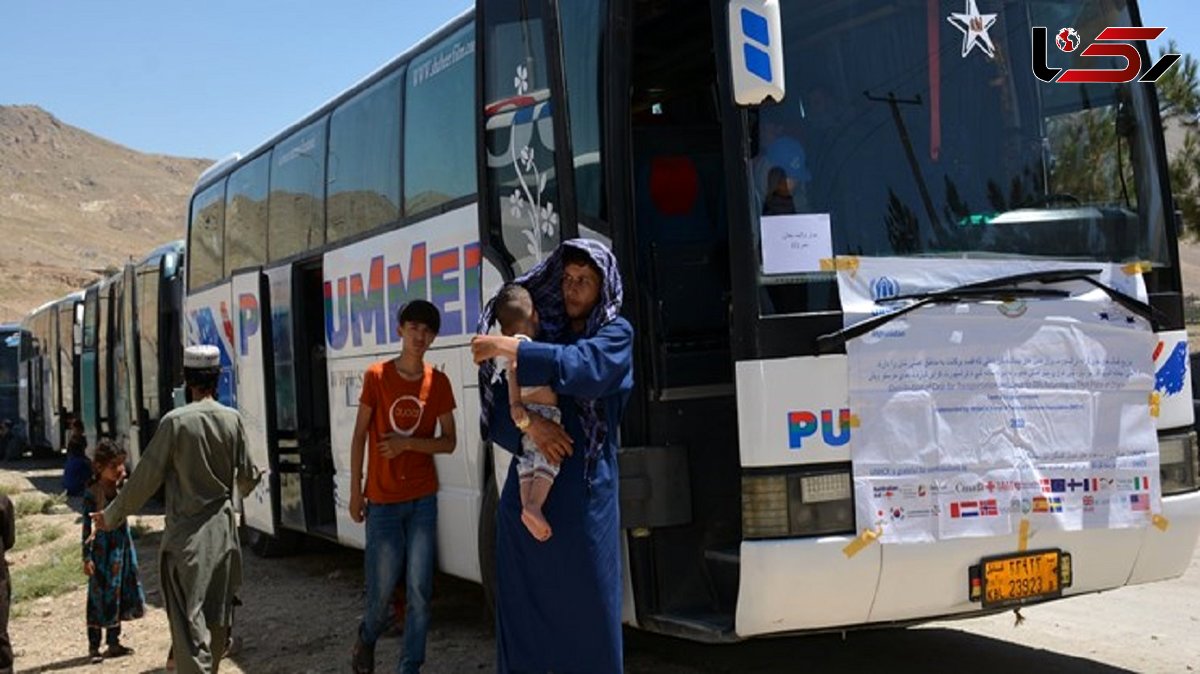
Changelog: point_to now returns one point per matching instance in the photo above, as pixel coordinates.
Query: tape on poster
(841, 263)
(1135, 268)
(867, 537)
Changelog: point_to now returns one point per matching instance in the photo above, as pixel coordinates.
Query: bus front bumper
(811, 584)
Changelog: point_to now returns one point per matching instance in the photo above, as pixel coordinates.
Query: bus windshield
(919, 135)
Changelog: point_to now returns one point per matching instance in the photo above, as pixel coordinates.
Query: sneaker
(362, 658)
(94, 656)
(117, 650)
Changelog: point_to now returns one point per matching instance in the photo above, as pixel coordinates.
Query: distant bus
(900, 134)
(131, 351)
(48, 367)
(151, 346)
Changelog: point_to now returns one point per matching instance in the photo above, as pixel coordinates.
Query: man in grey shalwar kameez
(198, 453)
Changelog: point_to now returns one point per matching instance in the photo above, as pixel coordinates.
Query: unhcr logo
(884, 288)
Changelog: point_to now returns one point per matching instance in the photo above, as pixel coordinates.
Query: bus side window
(246, 215)
(439, 124)
(297, 206)
(207, 244)
(362, 180)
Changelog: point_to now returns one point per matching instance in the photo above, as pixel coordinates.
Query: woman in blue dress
(558, 602)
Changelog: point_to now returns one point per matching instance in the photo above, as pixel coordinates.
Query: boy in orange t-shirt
(403, 402)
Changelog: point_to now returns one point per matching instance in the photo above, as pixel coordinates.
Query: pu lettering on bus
(249, 312)
(804, 423)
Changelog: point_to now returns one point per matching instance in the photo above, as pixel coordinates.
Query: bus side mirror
(756, 51)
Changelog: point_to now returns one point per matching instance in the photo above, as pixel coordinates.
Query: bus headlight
(1177, 461)
(800, 503)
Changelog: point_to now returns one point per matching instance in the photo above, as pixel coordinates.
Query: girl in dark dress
(109, 559)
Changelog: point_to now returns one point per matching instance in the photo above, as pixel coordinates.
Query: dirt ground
(300, 612)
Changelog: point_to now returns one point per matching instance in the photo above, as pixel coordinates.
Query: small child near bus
(77, 470)
(518, 318)
(109, 559)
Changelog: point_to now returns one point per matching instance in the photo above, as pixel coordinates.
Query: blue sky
(199, 79)
(204, 79)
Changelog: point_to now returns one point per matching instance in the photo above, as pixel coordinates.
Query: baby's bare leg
(531, 513)
(526, 486)
(539, 490)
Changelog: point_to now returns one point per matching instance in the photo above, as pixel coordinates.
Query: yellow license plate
(1021, 578)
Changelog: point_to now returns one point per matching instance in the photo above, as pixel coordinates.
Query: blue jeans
(401, 541)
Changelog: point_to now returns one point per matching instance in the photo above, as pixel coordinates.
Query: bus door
(168, 339)
(51, 383)
(76, 346)
(104, 362)
(65, 339)
(127, 376)
(284, 451)
(684, 549)
(35, 385)
(89, 389)
(316, 467)
(255, 400)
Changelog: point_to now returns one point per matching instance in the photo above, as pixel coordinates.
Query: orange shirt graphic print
(405, 415)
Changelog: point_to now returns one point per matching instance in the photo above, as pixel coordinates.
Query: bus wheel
(487, 543)
(265, 545)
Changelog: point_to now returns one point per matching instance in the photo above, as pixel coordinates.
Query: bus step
(707, 628)
(724, 556)
(724, 566)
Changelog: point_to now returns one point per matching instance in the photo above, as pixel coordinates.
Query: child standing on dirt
(77, 470)
(518, 318)
(109, 559)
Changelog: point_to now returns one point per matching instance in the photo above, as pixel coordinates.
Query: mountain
(73, 204)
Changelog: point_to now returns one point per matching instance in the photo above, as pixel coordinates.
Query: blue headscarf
(544, 283)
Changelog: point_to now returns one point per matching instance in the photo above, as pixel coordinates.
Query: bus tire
(283, 543)
(487, 543)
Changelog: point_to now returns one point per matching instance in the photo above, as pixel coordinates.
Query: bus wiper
(1045, 276)
(1002, 288)
(828, 343)
(1131, 304)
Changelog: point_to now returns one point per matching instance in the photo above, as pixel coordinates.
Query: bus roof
(218, 166)
(154, 256)
(76, 296)
(45, 306)
(226, 165)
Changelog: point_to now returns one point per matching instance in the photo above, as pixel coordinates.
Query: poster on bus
(974, 415)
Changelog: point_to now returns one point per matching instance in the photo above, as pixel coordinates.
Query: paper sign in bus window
(795, 244)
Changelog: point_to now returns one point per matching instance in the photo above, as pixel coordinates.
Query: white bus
(910, 134)
(49, 366)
